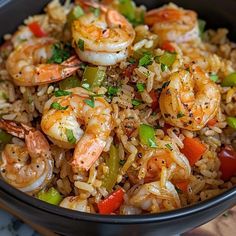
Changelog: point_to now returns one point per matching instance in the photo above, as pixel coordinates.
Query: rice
(147, 172)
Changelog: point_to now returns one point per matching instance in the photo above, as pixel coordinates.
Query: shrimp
(172, 23)
(75, 203)
(64, 126)
(190, 99)
(28, 66)
(154, 197)
(106, 38)
(167, 163)
(28, 168)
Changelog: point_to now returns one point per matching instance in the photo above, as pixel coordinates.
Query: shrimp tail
(12, 128)
(87, 151)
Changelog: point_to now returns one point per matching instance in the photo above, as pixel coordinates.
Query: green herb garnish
(61, 93)
(95, 11)
(136, 102)
(140, 87)
(81, 44)
(180, 114)
(57, 106)
(70, 136)
(214, 77)
(59, 53)
(90, 101)
(169, 147)
(112, 91)
(146, 59)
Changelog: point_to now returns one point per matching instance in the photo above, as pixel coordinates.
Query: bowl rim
(118, 219)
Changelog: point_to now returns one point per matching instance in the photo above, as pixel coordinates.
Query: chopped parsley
(61, 93)
(70, 136)
(122, 162)
(112, 91)
(146, 59)
(214, 77)
(169, 146)
(95, 11)
(57, 106)
(152, 143)
(131, 60)
(59, 53)
(163, 67)
(81, 44)
(140, 87)
(180, 114)
(136, 102)
(90, 102)
(85, 86)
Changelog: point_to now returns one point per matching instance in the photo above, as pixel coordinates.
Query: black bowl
(66, 222)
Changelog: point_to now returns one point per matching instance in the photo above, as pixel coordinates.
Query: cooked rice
(215, 54)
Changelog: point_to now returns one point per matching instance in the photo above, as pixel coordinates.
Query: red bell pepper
(155, 103)
(112, 202)
(167, 46)
(36, 29)
(129, 70)
(183, 185)
(212, 122)
(227, 158)
(193, 149)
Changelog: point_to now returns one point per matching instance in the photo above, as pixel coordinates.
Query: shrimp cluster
(28, 168)
(62, 120)
(102, 39)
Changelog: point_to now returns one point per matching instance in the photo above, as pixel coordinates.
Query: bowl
(68, 222)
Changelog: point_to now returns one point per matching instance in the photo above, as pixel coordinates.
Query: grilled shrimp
(106, 38)
(28, 66)
(152, 197)
(190, 99)
(63, 125)
(30, 167)
(167, 163)
(75, 203)
(173, 23)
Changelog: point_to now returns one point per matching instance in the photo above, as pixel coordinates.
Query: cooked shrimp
(75, 203)
(173, 23)
(28, 66)
(63, 126)
(167, 163)
(153, 197)
(190, 99)
(106, 38)
(30, 167)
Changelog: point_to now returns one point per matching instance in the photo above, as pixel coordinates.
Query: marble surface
(10, 226)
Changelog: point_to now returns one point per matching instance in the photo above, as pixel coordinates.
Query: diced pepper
(36, 29)
(155, 103)
(147, 135)
(127, 8)
(112, 202)
(193, 149)
(93, 76)
(182, 185)
(167, 46)
(212, 122)
(113, 164)
(231, 122)
(229, 80)
(51, 196)
(5, 137)
(167, 59)
(74, 14)
(71, 82)
(227, 157)
(129, 70)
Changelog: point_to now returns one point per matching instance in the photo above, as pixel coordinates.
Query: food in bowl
(109, 108)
